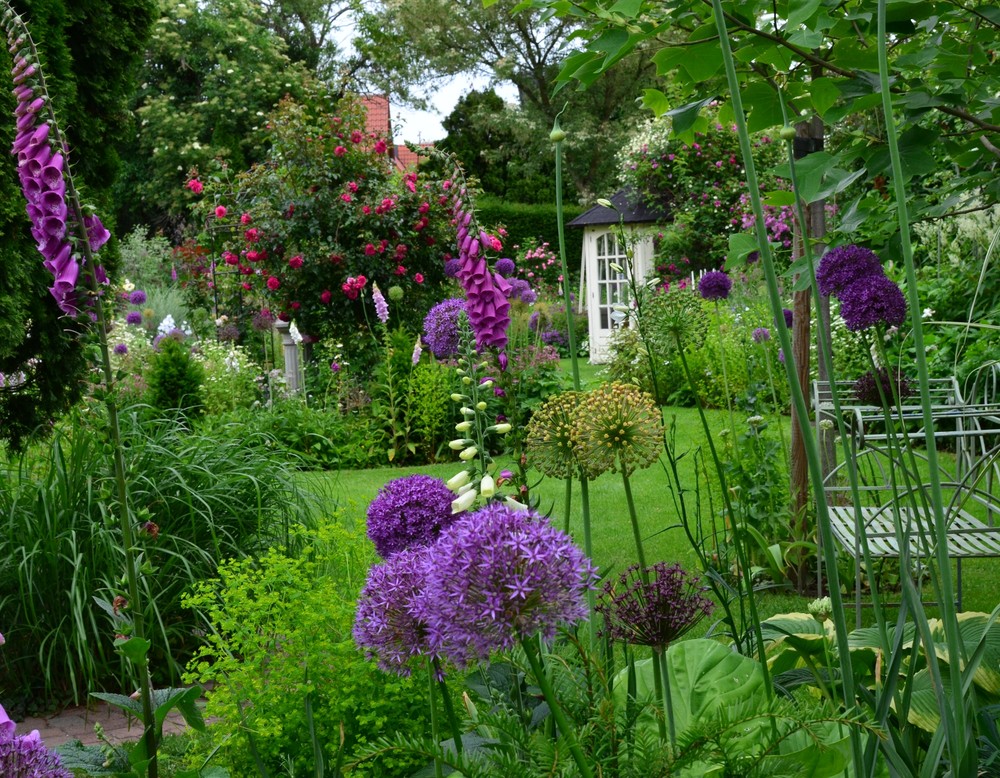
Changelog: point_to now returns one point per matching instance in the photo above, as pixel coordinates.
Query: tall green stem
(449, 709)
(566, 729)
(798, 399)
(660, 657)
(643, 572)
(958, 733)
(435, 727)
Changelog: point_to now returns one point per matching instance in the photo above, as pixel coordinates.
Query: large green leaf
(972, 629)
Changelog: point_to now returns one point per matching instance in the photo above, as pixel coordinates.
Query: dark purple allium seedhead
(654, 614)
(866, 388)
(843, 265)
(715, 285)
(441, 327)
(408, 512)
(789, 316)
(872, 300)
(498, 575)
(385, 625)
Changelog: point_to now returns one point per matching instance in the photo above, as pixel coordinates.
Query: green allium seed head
(549, 440)
(617, 426)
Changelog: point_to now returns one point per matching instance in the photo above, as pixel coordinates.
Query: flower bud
(467, 411)
(486, 385)
(487, 487)
(463, 426)
(458, 480)
(557, 136)
(604, 201)
(458, 444)
(456, 397)
(501, 429)
(466, 380)
(465, 488)
(510, 502)
(468, 453)
(463, 502)
(481, 405)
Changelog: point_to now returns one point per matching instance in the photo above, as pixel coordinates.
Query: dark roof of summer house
(628, 208)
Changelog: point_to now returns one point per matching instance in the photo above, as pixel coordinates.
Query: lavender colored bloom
(528, 296)
(866, 388)
(387, 624)
(554, 338)
(25, 756)
(715, 285)
(486, 293)
(789, 317)
(781, 356)
(441, 327)
(229, 332)
(138, 297)
(505, 267)
(843, 265)
(418, 349)
(121, 349)
(262, 321)
(408, 512)
(451, 267)
(533, 321)
(872, 300)
(654, 614)
(499, 575)
(133, 317)
(381, 306)
(761, 335)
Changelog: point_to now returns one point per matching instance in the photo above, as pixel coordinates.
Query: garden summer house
(601, 285)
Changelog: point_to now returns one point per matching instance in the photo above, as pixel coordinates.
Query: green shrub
(175, 379)
(528, 225)
(280, 644)
(431, 411)
(230, 377)
(208, 497)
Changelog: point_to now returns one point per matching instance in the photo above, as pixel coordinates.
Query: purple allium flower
(334, 367)
(451, 267)
(533, 321)
(499, 575)
(262, 321)
(752, 257)
(761, 335)
(387, 625)
(843, 265)
(133, 317)
(871, 300)
(715, 285)
(789, 316)
(528, 297)
(866, 388)
(505, 267)
(654, 614)
(781, 356)
(381, 306)
(518, 287)
(121, 349)
(408, 512)
(25, 756)
(138, 297)
(441, 327)
(554, 338)
(229, 332)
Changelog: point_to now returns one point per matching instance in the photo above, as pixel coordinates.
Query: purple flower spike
(408, 512)
(843, 265)
(97, 233)
(872, 300)
(715, 285)
(499, 575)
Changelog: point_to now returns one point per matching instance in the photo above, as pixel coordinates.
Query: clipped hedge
(527, 222)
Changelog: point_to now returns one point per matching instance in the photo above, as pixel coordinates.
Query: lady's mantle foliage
(324, 217)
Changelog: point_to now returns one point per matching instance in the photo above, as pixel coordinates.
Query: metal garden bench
(888, 454)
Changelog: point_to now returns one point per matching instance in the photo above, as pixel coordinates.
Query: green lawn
(613, 546)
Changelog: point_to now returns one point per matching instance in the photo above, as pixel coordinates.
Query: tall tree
(90, 49)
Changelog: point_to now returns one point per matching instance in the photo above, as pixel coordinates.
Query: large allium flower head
(617, 426)
(656, 613)
(499, 575)
(505, 267)
(715, 285)
(549, 442)
(25, 756)
(866, 388)
(680, 314)
(408, 512)
(871, 300)
(761, 335)
(387, 626)
(441, 327)
(452, 267)
(843, 265)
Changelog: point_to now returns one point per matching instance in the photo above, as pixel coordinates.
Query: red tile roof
(378, 121)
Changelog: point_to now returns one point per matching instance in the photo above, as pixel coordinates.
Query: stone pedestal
(290, 349)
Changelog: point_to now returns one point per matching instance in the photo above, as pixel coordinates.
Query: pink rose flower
(195, 186)
(220, 212)
(273, 284)
(295, 262)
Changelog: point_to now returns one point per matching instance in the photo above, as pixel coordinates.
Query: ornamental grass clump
(407, 513)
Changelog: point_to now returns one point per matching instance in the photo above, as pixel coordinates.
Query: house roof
(628, 208)
(378, 122)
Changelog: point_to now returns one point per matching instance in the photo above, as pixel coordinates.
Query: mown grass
(664, 539)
